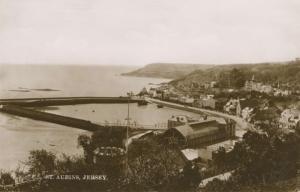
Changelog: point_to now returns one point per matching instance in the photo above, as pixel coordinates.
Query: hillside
(271, 73)
(167, 70)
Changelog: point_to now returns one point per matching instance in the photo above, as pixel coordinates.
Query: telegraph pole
(127, 127)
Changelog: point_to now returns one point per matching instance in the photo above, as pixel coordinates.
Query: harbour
(20, 135)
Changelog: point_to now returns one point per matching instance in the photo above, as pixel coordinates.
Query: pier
(52, 118)
(74, 122)
(52, 101)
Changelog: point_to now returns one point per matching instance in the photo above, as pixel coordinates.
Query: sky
(138, 32)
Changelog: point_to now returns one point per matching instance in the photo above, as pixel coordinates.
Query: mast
(127, 127)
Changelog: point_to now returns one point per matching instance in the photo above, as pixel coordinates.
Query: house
(179, 120)
(268, 89)
(241, 107)
(290, 118)
(213, 84)
(280, 92)
(220, 103)
(207, 153)
(233, 106)
(186, 100)
(252, 85)
(173, 97)
(190, 154)
(206, 103)
(207, 85)
(152, 92)
(248, 86)
(247, 113)
(159, 94)
(223, 177)
(202, 132)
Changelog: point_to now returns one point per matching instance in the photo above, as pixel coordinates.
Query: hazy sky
(138, 32)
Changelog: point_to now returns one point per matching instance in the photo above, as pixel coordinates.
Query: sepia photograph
(150, 95)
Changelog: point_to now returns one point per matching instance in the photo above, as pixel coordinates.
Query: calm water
(147, 116)
(20, 135)
(30, 81)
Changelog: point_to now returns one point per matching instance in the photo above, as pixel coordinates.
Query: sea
(18, 135)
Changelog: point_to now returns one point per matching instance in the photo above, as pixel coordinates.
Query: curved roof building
(199, 133)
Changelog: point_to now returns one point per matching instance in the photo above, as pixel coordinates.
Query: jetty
(52, 118)
(22, 111)
(54, 101)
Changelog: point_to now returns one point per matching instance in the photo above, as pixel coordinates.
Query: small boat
(142, 102)
(160, 106)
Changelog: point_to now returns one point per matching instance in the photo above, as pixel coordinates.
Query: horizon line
(138, 65)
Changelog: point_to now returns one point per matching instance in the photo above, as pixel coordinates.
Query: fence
(135, 125)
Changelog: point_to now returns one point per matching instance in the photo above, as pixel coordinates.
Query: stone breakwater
(52, 118)
(40, 102)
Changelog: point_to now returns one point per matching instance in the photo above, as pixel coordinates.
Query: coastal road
(241, 124)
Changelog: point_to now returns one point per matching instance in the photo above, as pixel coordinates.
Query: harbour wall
(40, 102)
(176, 106)
(53, 118)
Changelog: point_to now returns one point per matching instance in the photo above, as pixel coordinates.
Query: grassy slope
(287, 72)
(167, 70)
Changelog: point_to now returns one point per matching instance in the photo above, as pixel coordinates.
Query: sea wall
(177, 106)
(52, 118)
(39, 102)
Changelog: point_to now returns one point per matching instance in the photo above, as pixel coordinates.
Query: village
(200, 140)
(252, 98)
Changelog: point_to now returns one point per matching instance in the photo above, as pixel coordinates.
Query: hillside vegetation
(167, 70)
(227, 75)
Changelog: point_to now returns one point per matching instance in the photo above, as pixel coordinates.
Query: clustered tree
(6, 178)
(40, 163)
(151, 165)
(154, 165)
(260, 158)
(111, 137)
(237, 78)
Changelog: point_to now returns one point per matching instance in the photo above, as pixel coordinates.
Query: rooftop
(196, 129)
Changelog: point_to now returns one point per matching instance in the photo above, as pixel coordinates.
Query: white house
(247, 113)
(290, 118)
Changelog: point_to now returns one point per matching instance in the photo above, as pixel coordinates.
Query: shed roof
(198, 129)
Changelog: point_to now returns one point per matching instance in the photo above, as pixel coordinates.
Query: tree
(152, 164)
(41, 163)
(112, 137)
(86, 143)
(219, 158)
(6, 178)
(191, 175)
(237, 78)
(264, 158)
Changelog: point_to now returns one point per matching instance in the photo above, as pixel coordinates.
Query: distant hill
(271, 73)
(167, 70)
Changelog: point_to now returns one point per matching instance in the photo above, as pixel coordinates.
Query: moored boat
(160, 106)
(142, 102)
